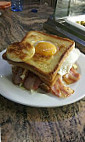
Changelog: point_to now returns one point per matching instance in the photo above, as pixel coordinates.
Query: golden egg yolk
(45, 48)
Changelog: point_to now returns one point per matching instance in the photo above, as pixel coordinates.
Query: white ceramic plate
(72, 21)
(36, 99)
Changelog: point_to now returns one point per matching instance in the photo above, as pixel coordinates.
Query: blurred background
(49, 2)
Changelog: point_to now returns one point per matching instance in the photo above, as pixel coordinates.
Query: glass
(61, 8)
(77, 7)
(65, 8)
(16, 5)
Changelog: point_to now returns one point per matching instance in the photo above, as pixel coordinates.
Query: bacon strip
(71, 77)
(28, 79)
(32, 82)
(17, 72)
(60, 90)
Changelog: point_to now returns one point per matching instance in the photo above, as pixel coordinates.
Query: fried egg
(22, 52)
(45, 48)
(69, 61)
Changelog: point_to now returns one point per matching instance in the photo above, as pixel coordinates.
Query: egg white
(69, 61)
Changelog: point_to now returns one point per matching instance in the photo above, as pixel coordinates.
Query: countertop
(21, 123)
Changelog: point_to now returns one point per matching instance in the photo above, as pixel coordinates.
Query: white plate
(35, 99)
(72, 21)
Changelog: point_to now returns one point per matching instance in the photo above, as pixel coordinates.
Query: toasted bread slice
(25, 66)
(46, 67)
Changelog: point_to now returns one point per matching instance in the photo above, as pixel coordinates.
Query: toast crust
(52, 36)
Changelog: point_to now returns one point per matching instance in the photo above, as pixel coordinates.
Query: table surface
(21, 123)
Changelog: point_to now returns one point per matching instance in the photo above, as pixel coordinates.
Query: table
(21, 123)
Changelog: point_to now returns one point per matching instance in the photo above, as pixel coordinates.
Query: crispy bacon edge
(60, 90)
(72, 77)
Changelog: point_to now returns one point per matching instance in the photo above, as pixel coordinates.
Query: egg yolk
(45, 48)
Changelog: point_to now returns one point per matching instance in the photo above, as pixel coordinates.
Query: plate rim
(39, 106)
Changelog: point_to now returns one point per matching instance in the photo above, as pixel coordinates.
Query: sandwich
(44, 61)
